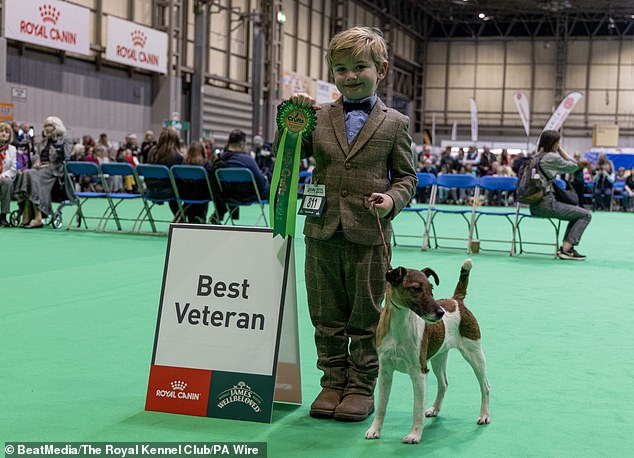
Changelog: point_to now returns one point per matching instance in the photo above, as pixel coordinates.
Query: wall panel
(603, 76)
(518, 52)
(461, 76)
(519, 76)
(435, 75)
(490, 76)
(435, 100)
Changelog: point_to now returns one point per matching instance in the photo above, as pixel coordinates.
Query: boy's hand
(382, 202)
(303, 99)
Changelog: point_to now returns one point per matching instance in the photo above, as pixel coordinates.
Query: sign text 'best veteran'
(220, 320)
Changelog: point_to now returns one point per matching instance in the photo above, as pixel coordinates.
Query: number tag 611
(314, 200)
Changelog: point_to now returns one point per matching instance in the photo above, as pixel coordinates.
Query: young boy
(363, 159)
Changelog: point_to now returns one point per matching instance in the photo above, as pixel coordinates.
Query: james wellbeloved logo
(241, 393)
(178, 390)
(50, 15)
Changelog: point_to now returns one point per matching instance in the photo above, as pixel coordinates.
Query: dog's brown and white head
(411, 288)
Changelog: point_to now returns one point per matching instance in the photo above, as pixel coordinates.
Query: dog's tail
(463, 282)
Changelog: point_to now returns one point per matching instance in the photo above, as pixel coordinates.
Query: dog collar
(396, 306)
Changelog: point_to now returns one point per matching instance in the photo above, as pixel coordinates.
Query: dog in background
(415, 328)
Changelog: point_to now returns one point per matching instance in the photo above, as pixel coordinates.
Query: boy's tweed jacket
(380, 159)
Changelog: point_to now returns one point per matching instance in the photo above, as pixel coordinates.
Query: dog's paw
(411, 438)
(432, 412)
(484, 420)
(373, 433)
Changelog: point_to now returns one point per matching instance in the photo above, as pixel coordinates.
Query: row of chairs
(472, 214)
(616, 195)
(157, 185)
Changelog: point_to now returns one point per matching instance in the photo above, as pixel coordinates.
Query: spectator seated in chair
(35, 185)
(603, 182)
(8, 155)
(236, 155)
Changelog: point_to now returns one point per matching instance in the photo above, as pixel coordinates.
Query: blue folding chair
(618, 188)
(158, 188)
(122, 169)
(458, 181)
(503, 184)
(193, 186)
(229, 177)
(75, 170)
(425, 180)
(555, 223)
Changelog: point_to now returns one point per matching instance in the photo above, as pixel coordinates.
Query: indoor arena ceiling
(510, 18)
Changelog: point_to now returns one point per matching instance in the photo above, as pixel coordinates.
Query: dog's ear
(430, 273)
(395, 276)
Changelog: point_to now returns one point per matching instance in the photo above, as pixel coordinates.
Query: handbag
(566, 196)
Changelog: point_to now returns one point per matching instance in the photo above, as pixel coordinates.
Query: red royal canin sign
(135, 45)
(52, 23)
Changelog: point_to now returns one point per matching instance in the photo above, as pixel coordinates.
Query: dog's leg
(439, 366)
(385, 386)
(419, 383)
(472, 352)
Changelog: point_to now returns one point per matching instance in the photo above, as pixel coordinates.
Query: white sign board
(219, 327)
(135, 45)
(55, 24)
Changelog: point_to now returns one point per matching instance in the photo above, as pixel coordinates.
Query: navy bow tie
(365, 106)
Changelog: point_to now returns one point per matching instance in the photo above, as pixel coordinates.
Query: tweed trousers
(345, 283)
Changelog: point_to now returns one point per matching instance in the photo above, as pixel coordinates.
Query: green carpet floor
(78, 314)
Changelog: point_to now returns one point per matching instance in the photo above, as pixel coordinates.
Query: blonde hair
(60, 130)
(356, 41)
(6, 126)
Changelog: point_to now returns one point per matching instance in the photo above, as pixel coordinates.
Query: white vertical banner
(54, 24)
(433, 128)
(563, 110)
(521, 102)
(454, 131)
(474, 119)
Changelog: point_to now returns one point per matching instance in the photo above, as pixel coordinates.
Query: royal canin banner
(51, 23)
(132, 44)
(521, 102)
(558, 118)
(473, 108)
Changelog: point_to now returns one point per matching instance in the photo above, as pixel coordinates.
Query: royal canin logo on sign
(178, 385)
(569, 103)
(138, 38)
(49, 14)
(178, 390)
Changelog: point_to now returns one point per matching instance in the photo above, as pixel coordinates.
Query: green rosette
(293, 123)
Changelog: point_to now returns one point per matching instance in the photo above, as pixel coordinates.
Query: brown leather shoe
(354, 407)
(325, 403)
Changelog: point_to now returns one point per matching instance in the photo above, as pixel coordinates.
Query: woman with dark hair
(190, 189)
(556, 161)
(166, 152)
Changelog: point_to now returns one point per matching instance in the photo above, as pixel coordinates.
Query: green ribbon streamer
(284, 183)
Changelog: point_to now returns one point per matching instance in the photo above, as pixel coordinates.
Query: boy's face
(356, 77)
